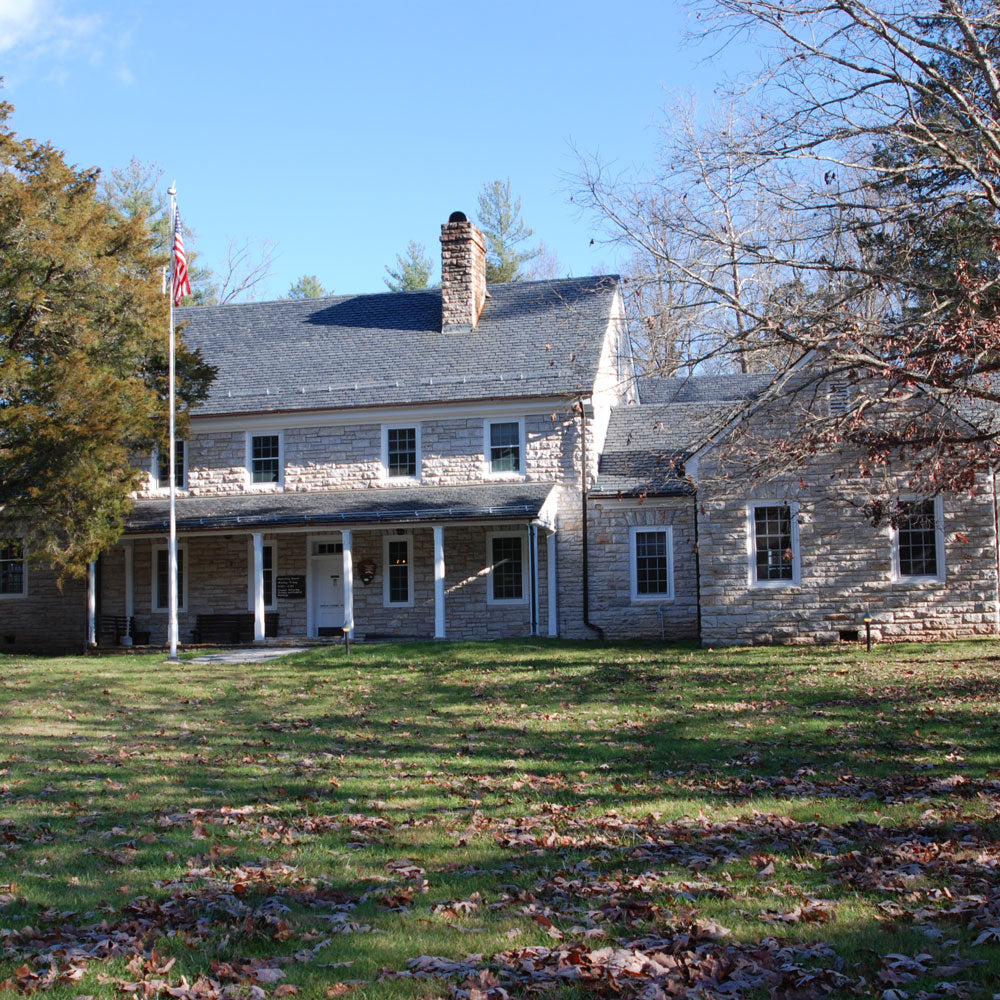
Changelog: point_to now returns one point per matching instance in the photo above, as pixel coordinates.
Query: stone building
(482, 462)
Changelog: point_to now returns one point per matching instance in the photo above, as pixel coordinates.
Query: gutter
(584, 547)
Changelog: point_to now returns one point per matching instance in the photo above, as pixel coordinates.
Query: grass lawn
(509, 819)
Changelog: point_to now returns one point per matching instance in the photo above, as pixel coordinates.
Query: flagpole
(172, 544)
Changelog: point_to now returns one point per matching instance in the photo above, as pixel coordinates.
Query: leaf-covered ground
(483, 821)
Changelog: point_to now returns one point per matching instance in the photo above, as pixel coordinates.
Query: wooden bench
(232, 629)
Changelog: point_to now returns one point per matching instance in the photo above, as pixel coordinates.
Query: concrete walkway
(258, 655)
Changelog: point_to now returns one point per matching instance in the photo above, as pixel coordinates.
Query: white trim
(525, 581)
(250, 484)
(23, 592)
(273, 546)
(793, 518)
(346, 540)
(400, 426)
(398, 416)
(522, 450)
(633, 567)
(408, 539)
(183, 580)
(939, 546)
(154, 469)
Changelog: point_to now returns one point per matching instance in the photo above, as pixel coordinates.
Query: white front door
(327, 589)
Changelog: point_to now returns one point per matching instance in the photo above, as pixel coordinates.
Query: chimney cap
(458, 217)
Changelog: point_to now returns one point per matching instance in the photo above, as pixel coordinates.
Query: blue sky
(340, 131)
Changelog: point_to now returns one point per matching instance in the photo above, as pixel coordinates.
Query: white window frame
(249, 460)
(23, 592)
(153, 590)
(154, 469)
(525, 575)
(939, 545)
(488, 472)
(793, 516)
(386, 539)
(385, 453)
(273, 546)
(639, 529)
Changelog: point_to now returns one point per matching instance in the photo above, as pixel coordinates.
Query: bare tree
(247, 265)
(851, 213)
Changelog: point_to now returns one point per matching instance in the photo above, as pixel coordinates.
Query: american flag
(182, 284)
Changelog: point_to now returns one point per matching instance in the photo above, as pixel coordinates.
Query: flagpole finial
(172, 190)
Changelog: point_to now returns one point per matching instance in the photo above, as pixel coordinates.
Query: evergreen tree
(499, 218)
(83, 355)
(413, 269)
(136, 192)
(307, 287)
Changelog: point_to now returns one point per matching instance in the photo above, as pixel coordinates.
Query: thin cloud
(38, 28)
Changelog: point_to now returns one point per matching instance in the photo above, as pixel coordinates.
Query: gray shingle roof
(533, 338)
(344, 508)
(703, 388)
(647, 445)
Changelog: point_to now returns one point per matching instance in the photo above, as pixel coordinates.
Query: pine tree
(83, 342)
(499, 218)
(307, 287)
(413, 269)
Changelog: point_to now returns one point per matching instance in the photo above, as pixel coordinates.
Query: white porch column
(550, 566)
(535, 608)
(92, 604)
(129, 550)
(258, 586)
(348, 583)
(439, 629)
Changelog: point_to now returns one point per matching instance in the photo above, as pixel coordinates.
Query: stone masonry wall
(349, 456)
(846, 563)
(47, 618)
(611, 604)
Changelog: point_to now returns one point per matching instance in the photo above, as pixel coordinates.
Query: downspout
(583, 526)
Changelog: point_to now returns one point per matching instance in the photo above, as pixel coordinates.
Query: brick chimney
(463, 274)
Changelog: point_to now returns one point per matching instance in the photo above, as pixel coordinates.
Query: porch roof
(391, 505)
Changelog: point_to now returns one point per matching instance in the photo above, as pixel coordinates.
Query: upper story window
(504, 447)
(401, 452)
(774, 545)
(918, 549)
(162, 458)
(840, 398)
(652, 564)
(264, 458)
(13, 571)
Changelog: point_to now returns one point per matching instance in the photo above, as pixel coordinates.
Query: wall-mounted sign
(290, 587)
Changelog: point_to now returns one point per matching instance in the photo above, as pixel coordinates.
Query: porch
(423, 563)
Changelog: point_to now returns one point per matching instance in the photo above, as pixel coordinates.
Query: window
(162, 459)
(401, 452)
(265, 458)
(503, 447)
(270, 568)
(397, 580)
(919, 540)
(652, 564)
(13, 571)
(507, 581)
(774, 545)
(161, 592)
